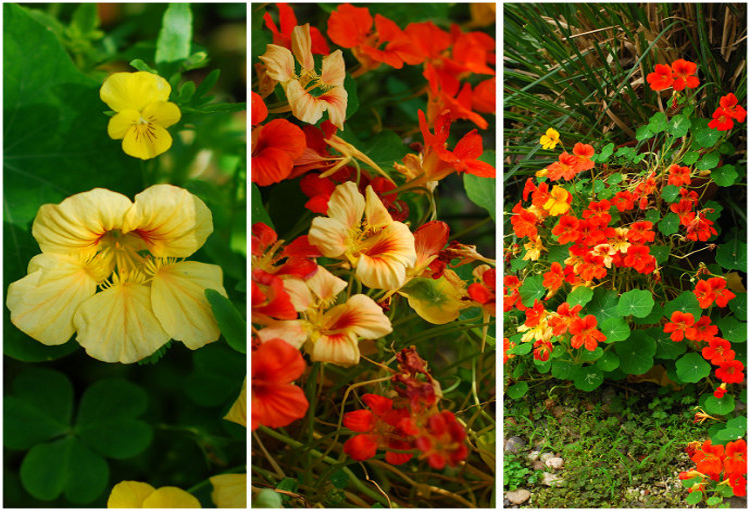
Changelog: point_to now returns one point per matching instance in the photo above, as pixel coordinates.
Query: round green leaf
(732, 255)
(543, 367)
(660, 252)
(609, 361)
(637, 353)
(603, 305)
(517, 390)
(738, 305)
(587, 378)
(694, 498)
(580, 296)
(708, 162)
(703, 135)
(657, 123)
(678, 126)
(721, 406)
(481, 191)
(670, 193)
(725, 175)
(521, 349)
(670, 224)
(666, 348)
(691, 368)
(637, 302)
(685, 303)
(585, 355)
(532, 289)
(616, 329)
(267, 498)
(563, 369)
(43, 470)
(732, 329)
(690, 157)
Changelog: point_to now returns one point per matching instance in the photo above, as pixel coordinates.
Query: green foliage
(637, 303)
(231, 323)
(691, 368)
(173, 44)
(481, 191)
(636, 354)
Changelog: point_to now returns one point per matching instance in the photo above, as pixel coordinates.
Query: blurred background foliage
(581, 69)
(55, 144)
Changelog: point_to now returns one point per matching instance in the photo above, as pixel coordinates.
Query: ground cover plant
(124, 233)
(625, 254)
(372, 253)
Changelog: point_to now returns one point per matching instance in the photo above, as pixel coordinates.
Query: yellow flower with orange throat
(143, 112)
(550, 139)
(558, 202)
(111, 271)
(380, 248)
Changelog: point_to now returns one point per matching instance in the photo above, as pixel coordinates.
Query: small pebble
(545, 456)
(533, 455)
(538, 465)
(550, 479)
(554, 463)
(519, 496)
(514, 444)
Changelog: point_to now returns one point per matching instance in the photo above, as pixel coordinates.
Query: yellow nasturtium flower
(550, 139)
(132, 253)
(143, 112)
(230, 490)
(135, 494)
(559, 201)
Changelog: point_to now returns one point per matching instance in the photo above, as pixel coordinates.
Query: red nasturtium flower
(679, 176)
(287, 22)
(708, 459)
(718, 351)
(661, 78)
(727, 112)
(484, 292)
(553, 279)
(702, 330)
(443, 441)
(731, 372)
(275, 146)
(679, 324)
(276, 402)
(566, 230)
(713, 289)
(585, 333)
(565, 167)
(736, 457)
(380, 427)
(683, 71)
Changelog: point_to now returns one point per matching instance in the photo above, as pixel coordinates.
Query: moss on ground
(622, 445)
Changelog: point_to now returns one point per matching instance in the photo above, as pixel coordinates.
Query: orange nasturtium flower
(305, 106)
(143, 112)
(550, 139)
(585, 333)
(135, 494)
(683, 72)
(661, 78)
(132, 252)
(380, 248)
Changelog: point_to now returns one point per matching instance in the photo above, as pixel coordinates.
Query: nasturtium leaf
(670, 192)
(685, 303)
(587, 378)
(643, 133)
(678, 126)
(652, 215)
(340, 479)
(732, 329)
(481, 191)
(690, 157)
(532, 289)
(713, 210)
(703, 135)
(637, 353)
(517, 390)
(231, 323)
(653, 317)
(519, 263)
(107, 421)
(585, 355)
(726, 148)
(616, 329)
(543, 367)
(691, 368)
(563, 369)
(609, 361)
(726, 175)
(694, 498)
(521, 349)
(667, 349)
(65, 465)
(660, 252)
(657, 123)
(732, 255)
(604, 153)
(39, 410)
(734, 430)
(714, 501)
(580, 296)
(688, 483)
(558, 351)
(670, 224)
(637, 303)
(708, 162)
(615, 178)
(558, 253)
(721, 406)
(603, 305)
(738, 305)
(175, 35)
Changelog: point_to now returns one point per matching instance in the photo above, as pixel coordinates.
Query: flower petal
(43, 303)
(171, 497)
(299, 293)
(279, 63)
(129, 494)
(146, 141)
(123, 91)
(77, 223)
(304, 106)
(117, 325)
(325, 284)
(276, 361)
(302, 46)
(120, 123)
(172, 221)
(292, 331)
(329, 235)
(340, 349)
(376, 213)
(230, 490)
(163, 113)
(333, 72)
(361, 447)
(383, 264)
(346, 204)
(238, 412)
(361, 316)
(276, 406)
(361, 421)
(179, 302)
(335, 101)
